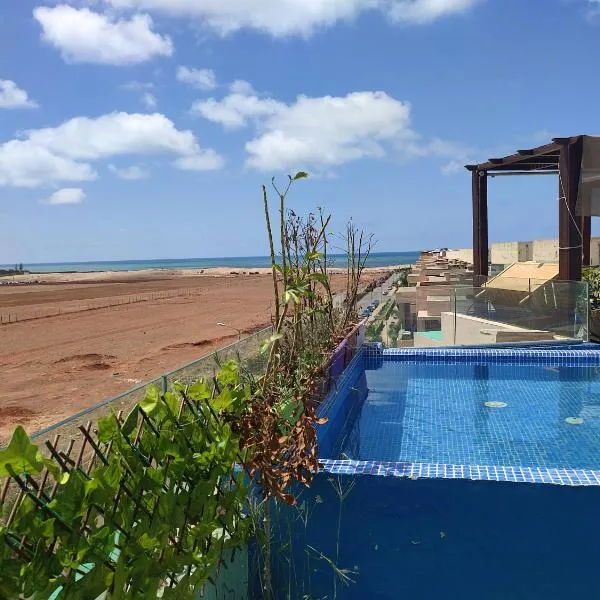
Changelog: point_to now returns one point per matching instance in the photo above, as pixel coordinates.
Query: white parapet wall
(545, 251)
(540, 251)
(595, 251)
(506, 253)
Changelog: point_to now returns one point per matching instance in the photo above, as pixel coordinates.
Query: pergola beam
(570, 238)
(480, 225)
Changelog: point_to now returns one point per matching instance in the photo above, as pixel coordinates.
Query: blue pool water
(465, 414)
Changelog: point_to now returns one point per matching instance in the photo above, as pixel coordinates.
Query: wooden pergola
(561, 157)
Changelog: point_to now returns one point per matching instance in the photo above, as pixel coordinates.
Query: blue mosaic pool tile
(568, 477)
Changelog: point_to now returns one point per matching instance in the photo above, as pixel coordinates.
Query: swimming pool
(460, 414)
(435, 473)
(509, 414)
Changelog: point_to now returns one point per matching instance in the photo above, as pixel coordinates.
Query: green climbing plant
(160, 504)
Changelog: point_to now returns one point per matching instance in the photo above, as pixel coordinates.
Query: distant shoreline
(376, 260)
(158, 274)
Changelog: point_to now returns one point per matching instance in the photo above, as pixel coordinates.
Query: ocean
(376, 259)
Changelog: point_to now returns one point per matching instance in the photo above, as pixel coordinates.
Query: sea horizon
(376, 259)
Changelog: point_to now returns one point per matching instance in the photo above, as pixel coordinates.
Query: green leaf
(21, 456)
(69, 501)
(104, 485)
(269, 342)
(108, 428)
(223, 401)
(291, 411)
(151, 400)
(291, 295)
(91, 585)
(172, 403)
(147, 542)
(229, 374)
(199, 391)
(311, 256)
(130, 423)
(300, 175)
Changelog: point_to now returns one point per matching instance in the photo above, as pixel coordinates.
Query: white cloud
(206, 160)
(312, 132)
(12, 96)
(203, 79)
(149, 100)
(239, 86)
(293, 17)
(62, 153)
(115, 134)
(453, 167)
(66, 196)
(24, 164)
(427, 11)
(130, 173)
(85, 36)
(328, 131)
(235, 110)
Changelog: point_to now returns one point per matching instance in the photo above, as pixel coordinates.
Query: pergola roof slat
(524, 160)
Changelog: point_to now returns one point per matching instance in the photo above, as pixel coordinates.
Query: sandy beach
(159, 274)
(54, 366)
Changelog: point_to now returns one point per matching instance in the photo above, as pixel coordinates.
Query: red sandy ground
(53, 367)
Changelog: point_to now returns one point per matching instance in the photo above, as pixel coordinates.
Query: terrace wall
(505, 253)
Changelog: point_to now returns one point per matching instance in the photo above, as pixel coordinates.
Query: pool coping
(558, 357)
(498, 473)
(405, 470)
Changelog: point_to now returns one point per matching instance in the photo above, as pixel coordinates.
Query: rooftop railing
(514, 310)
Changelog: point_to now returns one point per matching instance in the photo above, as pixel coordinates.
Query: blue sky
(134, 129)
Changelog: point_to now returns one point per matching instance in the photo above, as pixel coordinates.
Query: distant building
(540, 251)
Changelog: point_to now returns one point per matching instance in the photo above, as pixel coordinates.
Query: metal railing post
(455, 320)
(529, 303)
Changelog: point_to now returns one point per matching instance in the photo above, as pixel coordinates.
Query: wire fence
(29, 313)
